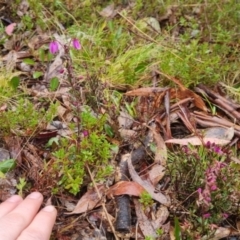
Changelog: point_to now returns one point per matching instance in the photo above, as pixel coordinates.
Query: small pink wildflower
(76, 44)
(53, 47)
(225, 215)
(85, 133)
(213, 188)
(199, 190)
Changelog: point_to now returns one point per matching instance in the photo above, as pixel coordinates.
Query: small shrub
(72, 156)
(204, 182)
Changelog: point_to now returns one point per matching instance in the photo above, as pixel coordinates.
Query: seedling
(21, 186)
(146, 199)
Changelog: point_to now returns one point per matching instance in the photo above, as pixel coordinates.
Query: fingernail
(14, 198)
(49, 208)
(35, 195)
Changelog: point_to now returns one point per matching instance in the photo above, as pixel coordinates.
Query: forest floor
(125, 115)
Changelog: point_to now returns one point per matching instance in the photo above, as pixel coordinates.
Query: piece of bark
(123, 220)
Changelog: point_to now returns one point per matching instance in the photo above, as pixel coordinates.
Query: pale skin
(21, 219)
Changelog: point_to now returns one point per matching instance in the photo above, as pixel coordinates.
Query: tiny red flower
(85, 133)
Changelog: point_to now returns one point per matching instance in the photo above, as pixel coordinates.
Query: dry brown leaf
(219, 132)
(125, 120)
(161, 149)
(221, 233)
(147, 91)
(22, 8)
(127, 134)
(196, 141)
(147, 185)
(180, 94)
(184, 92)
(161, 216)
(109, 11)
(88, 201)
(14, 147)
(143, 221)
(125, 188)
(156, 173)
(61, 111)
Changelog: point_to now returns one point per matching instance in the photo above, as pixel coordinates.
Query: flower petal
(53, 47)
(76, 44)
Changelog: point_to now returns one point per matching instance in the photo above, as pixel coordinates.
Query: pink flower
(53, 47)
(199, 190)
(225, 215)
(85, 133)
(76, 44)
(213, 188)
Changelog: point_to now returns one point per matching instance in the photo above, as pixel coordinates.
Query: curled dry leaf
(147, 91)
(147, 185)
(127, 134)
(219, 132)
(161, 149)
(156, 173)
(125, 120)
(143, 221)
(108, 12)
(88, 201)
(125, 188)
(186, 93)
(221, 233)
(217, 135)
(161, 217)
(195, 141)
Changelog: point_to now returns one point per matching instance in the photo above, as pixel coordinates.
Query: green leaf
(177, 229)
(109, 130)
(14, 82)
(42, 55)
(37, 74)
(54, 83)
(29, 61)
(2, 175)
(53, 140)
(7, 165)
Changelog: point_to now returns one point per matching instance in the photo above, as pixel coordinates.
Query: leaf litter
(167, 116)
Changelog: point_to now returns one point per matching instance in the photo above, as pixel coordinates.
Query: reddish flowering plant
(211, 175)
(54, 45)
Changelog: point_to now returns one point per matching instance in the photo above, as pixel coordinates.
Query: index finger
(13, 223)
(41, 226)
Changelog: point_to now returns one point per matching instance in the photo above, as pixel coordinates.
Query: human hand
(20, 219)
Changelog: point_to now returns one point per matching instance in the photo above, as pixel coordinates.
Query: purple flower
(208, 145)
(213, 188)
(76, 44)
(206, 215)
(53, 47)
(85, 133)
(199, 190)
(225, 215)
(217, 150)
